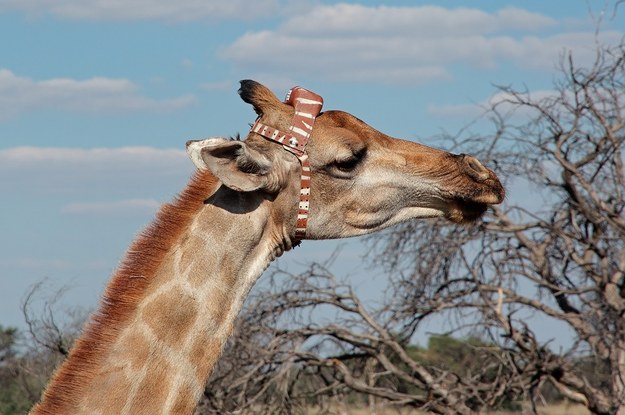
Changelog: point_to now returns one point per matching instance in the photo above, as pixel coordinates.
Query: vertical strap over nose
(307, 106)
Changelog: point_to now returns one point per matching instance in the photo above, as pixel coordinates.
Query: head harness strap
(307, 106)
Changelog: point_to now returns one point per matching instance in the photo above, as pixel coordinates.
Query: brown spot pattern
(134, 349)
(153, 390)
(171, 315)
(203, 354)
(202, 263)
(116, 385)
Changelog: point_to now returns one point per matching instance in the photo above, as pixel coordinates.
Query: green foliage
(12, 397)
(469, 357)
(460, 356)
(7, 343)
(20, 385)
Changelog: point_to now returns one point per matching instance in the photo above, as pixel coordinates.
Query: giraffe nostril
(475, 169)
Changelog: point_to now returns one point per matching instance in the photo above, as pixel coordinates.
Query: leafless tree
(41, 316)
(564, 259)
(554, 256)
(51, 328)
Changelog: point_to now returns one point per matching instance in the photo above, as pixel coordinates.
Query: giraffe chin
(466, 212)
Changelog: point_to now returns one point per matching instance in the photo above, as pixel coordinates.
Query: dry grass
(560, 409)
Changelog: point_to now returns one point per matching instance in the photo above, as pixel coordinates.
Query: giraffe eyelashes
(349, 164)
(346, 165)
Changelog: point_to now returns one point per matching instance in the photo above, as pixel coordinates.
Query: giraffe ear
(235, 164)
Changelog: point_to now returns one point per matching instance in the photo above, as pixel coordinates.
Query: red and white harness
(307, 106)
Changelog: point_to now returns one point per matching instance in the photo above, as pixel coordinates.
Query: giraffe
(169, 308)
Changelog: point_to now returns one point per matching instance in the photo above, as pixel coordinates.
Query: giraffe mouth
(469, 209)
(465, 212)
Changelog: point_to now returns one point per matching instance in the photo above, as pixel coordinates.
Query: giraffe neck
(170, 308)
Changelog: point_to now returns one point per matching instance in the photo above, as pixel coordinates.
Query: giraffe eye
(347, 165)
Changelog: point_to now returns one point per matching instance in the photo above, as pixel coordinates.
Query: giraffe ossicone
(153, 342)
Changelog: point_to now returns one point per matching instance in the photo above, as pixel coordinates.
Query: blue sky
(98, 97)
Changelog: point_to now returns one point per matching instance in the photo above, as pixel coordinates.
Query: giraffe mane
(125, 290)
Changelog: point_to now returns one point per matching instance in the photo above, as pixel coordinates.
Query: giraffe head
(361, 179)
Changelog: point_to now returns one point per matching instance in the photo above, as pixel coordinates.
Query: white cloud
(422, 21)
(501, 100)
(120, 157)
(129, 172)
(165, 10)
(187, 63)
(405, 44)
(115, 208)
(20, 94)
